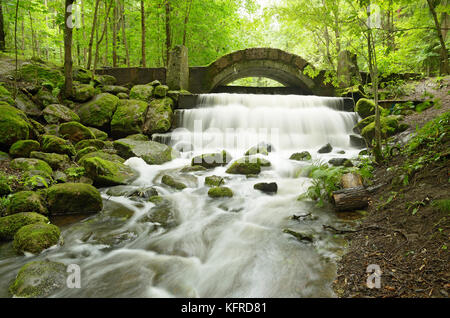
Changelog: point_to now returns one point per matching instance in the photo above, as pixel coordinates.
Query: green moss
(23, 148)
(107, 173)
(102, 155)
(220, 192)
(85, 151)
(55, 161)
(99, 134)
(71, 198)
(153, 153)
(14, 125)
(75, 172)
(74, 131)
(212, 160)
(45, 98)
(26, 201)
(39, 279)
(83, 92)
(25, 165)
(5, 96)
(35, 238)
(171, 182)
(105, 80)
(5, 188)
(97, 144)
(9, 225)
(214, 181)
(58, 145)
(142, 92)
(193, 169)
(159, 116)
(128, 118)
(161, 91)
(389, 127)
(302, 156)
(41, 73)
(99, 112)
(248, 165)
(56, 113)
(82, 75)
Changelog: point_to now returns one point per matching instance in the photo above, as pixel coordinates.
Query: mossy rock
(163, 213)
(56, 114)
(142, 92)
(340, 162)
(74, 131)
(366, 107)
(138, 137)
(326, 149)
(175, 95)
(301, 156)
(159, 116)
(72, 198)
(5, 96)
(268, 188)
(98, 144)
(4, 156)
(153, 153)
(128, 118)
(14, 125)
(105, 80)
(214, 181)
(123, 96)
(108, 173)
(102, 155)
(52, 130)
(115, 90)
(262, 148)
(55, 161)
(248, 166)
(39, 279)
(31, 164)
(37, 128)
(26, 201)
(41, 74)
(212, 160)
(83, 92)
(23, 148)
(5, 188)
(82, 75)
(45, 98)
(171, 182)
(99, 112)
(389, 127)
(193, 169)
(99, 134)
(35, 238)
(9, 225)
(161, 91)
(26, 105)
(54, 144)
(220, 192)
(363, 123)
(81, 153)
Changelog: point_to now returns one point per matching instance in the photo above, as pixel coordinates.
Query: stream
(228, 247)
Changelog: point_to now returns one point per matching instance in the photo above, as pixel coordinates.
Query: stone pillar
(347, 70)
(177, 77)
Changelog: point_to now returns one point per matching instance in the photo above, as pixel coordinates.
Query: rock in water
(212, 160)
(153, 153)
(266, 187)
(9, 225)
(302, 156)
(70, 198)
(171, 182)
(220, 192)
(35, 238)
(326, 149)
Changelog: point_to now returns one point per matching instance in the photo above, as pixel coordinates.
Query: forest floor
(403, 232)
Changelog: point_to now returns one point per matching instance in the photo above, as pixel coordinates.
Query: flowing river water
(230, 247)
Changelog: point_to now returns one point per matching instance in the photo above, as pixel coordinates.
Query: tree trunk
(2, 30)
(68, 86)
(33, 38)
(351, 199)
(91, 40)
(124, 35)
(143, 59)
(15, 49)
(99, 41)
(114, 42)
(444, 69)
(168, 32)
(186, 20)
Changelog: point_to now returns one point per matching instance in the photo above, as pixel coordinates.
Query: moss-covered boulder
(9, 225)
(52, 130)
(83, 92)
(214, 181)
(54, 160)
(99, 134)
(99, 112)
(31, 164)
(326, 149)
(74, 131)
(45, 97)
(26, 201)
(14, 125)
(102, 155)
(128, 118)
(363, 123)
(268, 188)
(193, 169)
(115, 90)
(123, 96)
(70, 198)
(56, 114)
(151, 152)
(159, 116)
(5, 188)
(175, 95)
(301, 156)
(35, 238)
(5, 95)
(163, 213)
(220, 192)
(105, 80)
(366, 107)
(81, 153)
(23, 148)
(340, 162)
(41, 74)
(245, 166)
(107, 173)
(82, 75)
(389, 127)
(27, 106)
(160, 91)
(98, 144)
(39, 279)
(53, 144)
(171, 182)
(142, 92)
(212, 160)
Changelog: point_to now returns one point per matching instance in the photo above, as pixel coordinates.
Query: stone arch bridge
(283, 67)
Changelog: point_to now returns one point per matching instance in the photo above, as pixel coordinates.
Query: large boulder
(212, 160)
(363, 123)
(23, 148)
(268, 188)
(142, 92)
(102, 155)
(74, 131)
(153, 153)
(42, 74)
(9, 225)
(159, 116)
(26, 201)
(82, 75)
(128, 118)
(245, 166)
(70, 198)
(301, 156)
(14, 125)
(99, 134)
(107, 173)
(115, 90)
(44, 98)
(171, 182)
(366, 107)
(220, 192)
(99, 112)
(53, 144)
(83, 92)
(27, 106)
(39, 279)
(389, 127)
(35, 238)
(54, 160)
(56, 114)
(105, 80)
(31, 164)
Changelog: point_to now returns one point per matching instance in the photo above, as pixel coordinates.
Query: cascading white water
(232, 247)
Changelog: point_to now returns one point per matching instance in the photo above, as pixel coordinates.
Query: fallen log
(351, 199)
